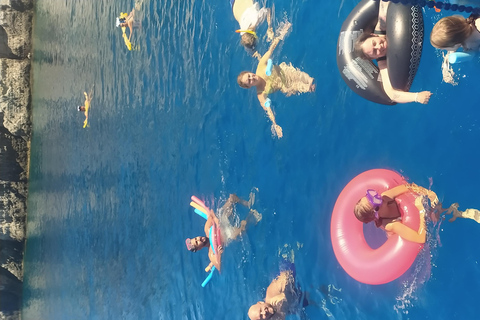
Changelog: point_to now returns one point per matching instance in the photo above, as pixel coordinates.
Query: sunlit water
(109, 204)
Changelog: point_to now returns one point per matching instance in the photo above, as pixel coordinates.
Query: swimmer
(200, 242)
(127, 21)
(383, 210)
(249, 16)
(453, 32)
(283, 297)
(374, 46)
(284, 77)
(85, 108)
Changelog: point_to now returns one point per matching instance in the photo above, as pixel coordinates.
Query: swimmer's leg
(313, 86)
(238, 231)
(270, 33)
(286, 265)
(253, 217)
(251, 197)
(231, 201)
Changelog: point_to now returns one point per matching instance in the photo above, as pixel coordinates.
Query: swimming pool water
(109, 205)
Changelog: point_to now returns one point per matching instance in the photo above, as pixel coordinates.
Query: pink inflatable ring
(357, 258)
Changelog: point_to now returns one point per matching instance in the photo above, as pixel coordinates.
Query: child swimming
(284, 77)
(383, 210)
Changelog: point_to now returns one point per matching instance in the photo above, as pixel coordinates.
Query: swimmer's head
(371, 46)
(80, 108)
(247, 79)
(249, 40)
(451, 32)
(260, 311)
(196, 243)
(365, 212)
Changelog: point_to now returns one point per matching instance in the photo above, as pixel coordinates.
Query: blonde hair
(248, 40)
(364, 211)
(452, 30)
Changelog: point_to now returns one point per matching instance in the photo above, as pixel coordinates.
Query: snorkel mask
(188, 243)
(375, 200)
(247, 31)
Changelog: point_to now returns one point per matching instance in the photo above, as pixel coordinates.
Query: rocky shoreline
(16, 18)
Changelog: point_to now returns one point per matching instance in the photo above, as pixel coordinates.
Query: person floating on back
(284, 77)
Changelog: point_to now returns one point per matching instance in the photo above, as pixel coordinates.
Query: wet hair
(248, 40)
(358, 45)
(239, 79)
(365, 213)
(452, 30)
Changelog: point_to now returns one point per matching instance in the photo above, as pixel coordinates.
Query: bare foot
(270, 34)
(251, 197)
(283, 30)
(256, 216)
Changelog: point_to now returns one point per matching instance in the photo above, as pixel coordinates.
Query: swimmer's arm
(269, 23)
(277, 300)
(277, 287)
(395, 192)
(210, 221)
(131, 14)
(408, 233)
(208, 224)
(400, 96)
(262, 99)
(268, 54)
(130, 25)
(271, 116)
(382, 16)
(215, 260)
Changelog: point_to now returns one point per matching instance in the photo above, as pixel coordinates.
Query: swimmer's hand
(270, 34)
(220, 249)
(284, 30)
(257, 55)
(278, 130)
(423, 97)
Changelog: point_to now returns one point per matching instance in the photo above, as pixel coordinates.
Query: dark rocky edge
(16, 17)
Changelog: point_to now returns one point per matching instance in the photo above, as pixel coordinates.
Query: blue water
(109, 205)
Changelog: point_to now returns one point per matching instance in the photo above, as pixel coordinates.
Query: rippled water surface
(109, 205)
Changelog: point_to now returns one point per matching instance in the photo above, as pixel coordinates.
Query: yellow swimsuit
(288, 79)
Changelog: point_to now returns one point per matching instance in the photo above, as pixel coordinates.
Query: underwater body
(108, 207)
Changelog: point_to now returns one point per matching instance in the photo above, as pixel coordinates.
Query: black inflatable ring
(404, 38)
